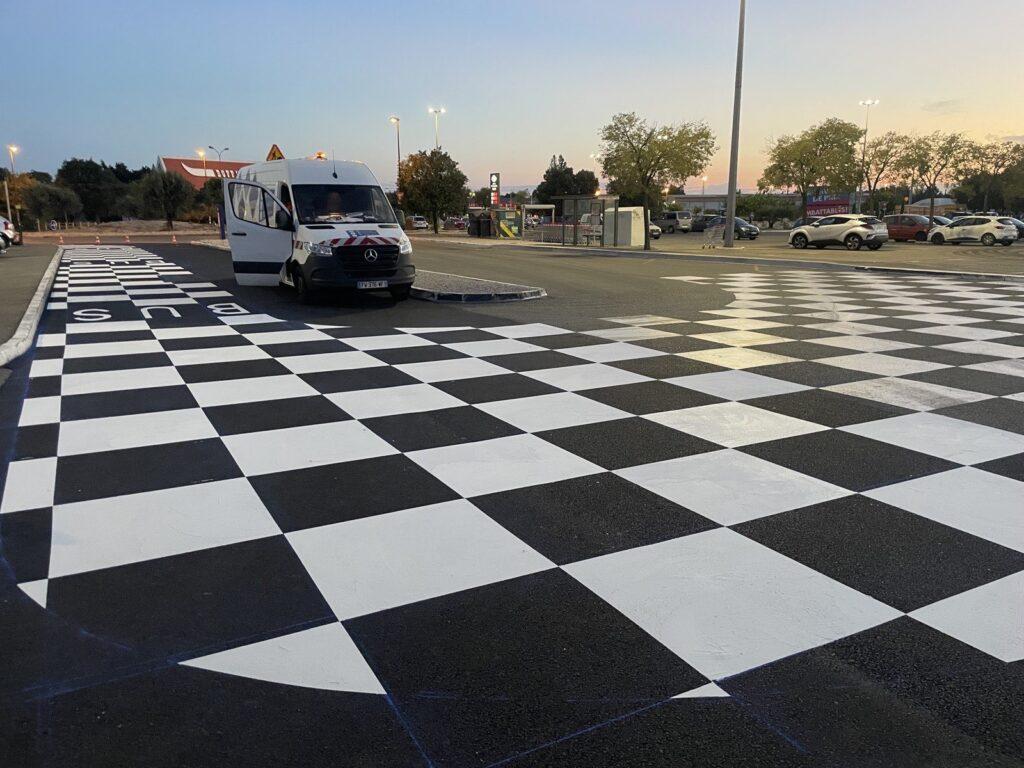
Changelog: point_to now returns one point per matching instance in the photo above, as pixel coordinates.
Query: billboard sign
(495, 189)
(821, 202)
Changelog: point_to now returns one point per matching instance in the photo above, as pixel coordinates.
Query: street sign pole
(7, 194)
(730, 210)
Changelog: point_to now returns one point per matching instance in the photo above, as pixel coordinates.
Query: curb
(25, 333)
(210, 244)
(448, 296)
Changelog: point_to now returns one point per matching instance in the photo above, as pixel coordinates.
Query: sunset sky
(128, 81)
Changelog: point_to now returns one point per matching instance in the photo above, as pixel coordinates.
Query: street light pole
(867, 104)
(734, 153)
(219, 151)
(436, 112)
(703, 181)
(12, 150)
(397, 122)
(202, 156)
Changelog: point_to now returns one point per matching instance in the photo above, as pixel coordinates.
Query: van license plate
(372, 284)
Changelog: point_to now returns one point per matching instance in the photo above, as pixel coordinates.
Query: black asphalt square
(334, 493)
(106, 337)
(321, 347)
(115, 362)
(804, 350)
(941, 356)
(103, 404)
(829, 408)
(327, 382)
(485, 674)
(904, 560)
(800, 332)
(666, 366)
(431, 429)
(258, 417)
(486, 389)
(589, 516)
(626, 442)
(649, 397)
(415, 354)
(974, 381)
(1008, 466)
(533, 361)
(25, 543)
(921, 338)
(811, 373)
(153, 467)
(36, 442)
(239, 369)
(676, 344)
(205, 342)
(847, 460)
(207, 599)
(565, 340)
(997, 412)
(456, 337)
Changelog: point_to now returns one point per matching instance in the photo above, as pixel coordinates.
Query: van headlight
(405, 245)
(319, 249)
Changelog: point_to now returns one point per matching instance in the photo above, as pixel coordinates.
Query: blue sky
(521, 81)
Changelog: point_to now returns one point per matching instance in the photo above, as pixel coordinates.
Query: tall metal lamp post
(867, 104)
(218, 151)
(397, 122)
(436, 112)
(734, 153)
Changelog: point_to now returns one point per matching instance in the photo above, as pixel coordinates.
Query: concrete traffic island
(440, 286)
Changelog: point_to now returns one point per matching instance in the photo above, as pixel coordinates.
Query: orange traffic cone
(97, 239)
(60, 239)
(127, 239)
(174, 239)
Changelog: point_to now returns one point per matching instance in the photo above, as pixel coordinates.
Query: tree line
(87, 190)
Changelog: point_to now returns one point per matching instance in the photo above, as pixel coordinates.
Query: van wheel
(302, 289)
(400, 292)
(1007, 243)
(799, 241)
(853, 242)
(670, 231)
(988, 239)
(921, 237)
(874, 246)
(938, 239)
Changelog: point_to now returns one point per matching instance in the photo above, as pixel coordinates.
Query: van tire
(400, 292)
(302, 289)
(670, 231)
(921, 237)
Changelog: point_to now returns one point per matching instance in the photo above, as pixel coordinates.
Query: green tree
(431, 182)
(209, 196)
(765, 207)
(988, 165)
(165, 194)
(644, 158)
(939, 160)
(822, 155)
(95, 184)
(41, 176)
(882, 160)
(482, 197)
(50, 201)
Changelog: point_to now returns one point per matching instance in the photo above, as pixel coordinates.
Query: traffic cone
(174, 239)
(60, 239)
(97, 239)
(127, 239)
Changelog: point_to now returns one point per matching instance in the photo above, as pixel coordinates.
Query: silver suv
(851, 230)
(673, 221)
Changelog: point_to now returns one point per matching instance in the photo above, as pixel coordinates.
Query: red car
(908, 227)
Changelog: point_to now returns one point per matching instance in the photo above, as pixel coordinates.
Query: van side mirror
(282, 219)
(400, 215)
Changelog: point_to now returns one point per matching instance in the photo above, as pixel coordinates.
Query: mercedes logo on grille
(370, 254)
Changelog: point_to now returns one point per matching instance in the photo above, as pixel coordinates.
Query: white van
(315, 223)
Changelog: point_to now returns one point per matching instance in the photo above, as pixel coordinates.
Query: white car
(655, 231)
(6, 233)
(987, 230)
(419, 222)
(850, 230)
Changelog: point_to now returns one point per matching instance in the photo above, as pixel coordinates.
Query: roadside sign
(275, 153)
(495, 189)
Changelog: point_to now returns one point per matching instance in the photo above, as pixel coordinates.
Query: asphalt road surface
(678, 513)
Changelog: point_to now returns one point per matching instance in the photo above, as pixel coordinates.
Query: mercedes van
(315, 224)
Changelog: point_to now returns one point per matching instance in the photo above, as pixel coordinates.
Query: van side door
(260, 232)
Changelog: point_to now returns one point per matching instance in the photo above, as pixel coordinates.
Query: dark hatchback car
(907, 226)
(742, 228)
(1020, 227)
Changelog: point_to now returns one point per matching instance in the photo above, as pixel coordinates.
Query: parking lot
(723, 513)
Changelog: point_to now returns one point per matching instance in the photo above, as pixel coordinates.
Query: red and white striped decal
(364, 240)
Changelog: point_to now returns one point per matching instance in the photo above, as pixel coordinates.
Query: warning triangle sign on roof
(275, 153)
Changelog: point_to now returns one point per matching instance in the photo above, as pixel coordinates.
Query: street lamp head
(869, 102)
(13, 149)
(201, 152)
(394, 120)
(704, 178)
(436, 110)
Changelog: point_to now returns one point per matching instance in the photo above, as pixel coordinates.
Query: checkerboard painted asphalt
(522, 516)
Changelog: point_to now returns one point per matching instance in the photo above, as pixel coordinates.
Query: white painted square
(908, 393)
(51, 367)
(133, 431)
(121, 380)
(734, 424)
(739, 311)
(610, 353)
(248, 319)
(726, 604)
(843, 328)
(106, 349)
(630, 333)
(575, 378)
(862, 343)
(986, 617)
(232, 391)
(738, 357)
(1005, 367)
(40, 410)
(880, 365)
(329, 361)
(740, 338)
(981, 503)
(30, 484)
(564, 409)
(953, 439)
(194, 332)
(281, 450)
(644, 320)
(374, 563)
(386, 341)
(991, 348)
(451, 370)
(389, 401)
(51, 340)
(525, 331)
(493, 347)
(730, 487)
(103, 533)
(736, 385)
(489, 466)
(217, 355)
(288, 337)
(742, 324)
(964, 332)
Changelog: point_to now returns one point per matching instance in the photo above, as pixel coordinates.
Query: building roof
(196, 172)
(925, 201)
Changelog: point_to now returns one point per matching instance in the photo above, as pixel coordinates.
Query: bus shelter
(583, 219)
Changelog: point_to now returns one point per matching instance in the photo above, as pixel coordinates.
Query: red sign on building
(196, 171)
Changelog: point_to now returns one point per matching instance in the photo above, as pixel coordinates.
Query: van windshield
(341, 204)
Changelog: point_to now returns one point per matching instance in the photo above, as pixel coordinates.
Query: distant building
(196, 172)
(712, 203)
(943, 205)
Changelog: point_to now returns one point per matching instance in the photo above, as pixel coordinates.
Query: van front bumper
(325, 272)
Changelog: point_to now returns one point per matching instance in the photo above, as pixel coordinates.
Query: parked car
(700, 221)
(851, 230)
(987, 230)
(419, 222)
(7, 233)
(655, 231)
(803, 222)
(741, 227)
(674, 221)
(940, 221)
(1020, 227)
(906, 226)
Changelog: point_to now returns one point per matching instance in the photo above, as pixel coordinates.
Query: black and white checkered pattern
(522, 516)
